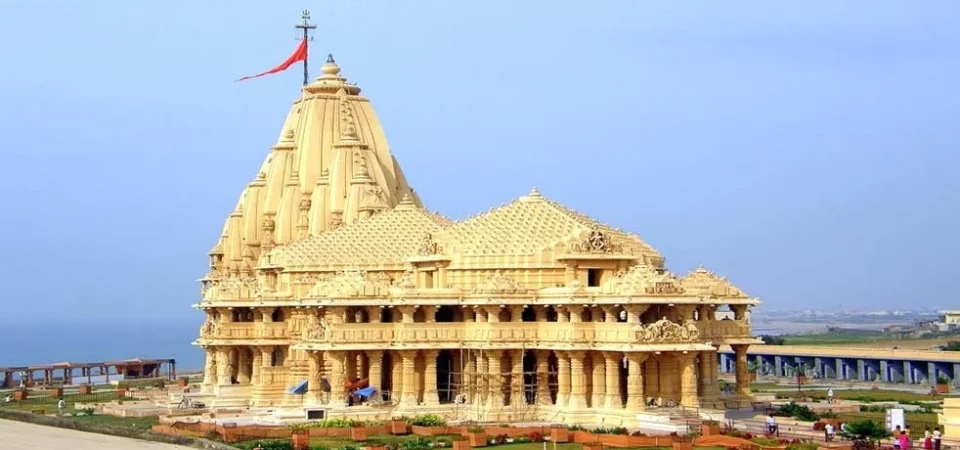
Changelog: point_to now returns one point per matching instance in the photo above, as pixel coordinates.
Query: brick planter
(358, 434)
(942, 388)
(559, 435)
(477, 439)
(397, 427)
(301, 440)
(121, 392)
(20, 395)
(183, 382)
(461, 445)
(56, 392)
(709, 429)
(595, 446)
(86, 389)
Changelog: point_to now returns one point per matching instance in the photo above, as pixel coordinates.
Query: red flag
(299, 55)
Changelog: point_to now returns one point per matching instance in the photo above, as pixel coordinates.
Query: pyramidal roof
(331, 166)
(533, 224)
(383, 240)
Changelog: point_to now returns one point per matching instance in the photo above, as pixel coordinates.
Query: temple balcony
(272, 330)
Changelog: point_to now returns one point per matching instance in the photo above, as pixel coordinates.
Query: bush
(428, 420)
(943, 380)
(952, 346)
(773, 340)
(798, 412)
(536, 436)
(610, 430)
(336, 423)
(808, 445)
(864, 432)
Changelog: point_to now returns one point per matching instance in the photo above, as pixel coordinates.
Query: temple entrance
(444, 376)
(528, 314)
(623, 372)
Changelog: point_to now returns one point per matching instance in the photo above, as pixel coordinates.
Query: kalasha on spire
(300, 54)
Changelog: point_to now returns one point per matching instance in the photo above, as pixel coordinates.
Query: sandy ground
(19, 435)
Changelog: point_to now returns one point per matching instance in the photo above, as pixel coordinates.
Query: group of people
(931, 440)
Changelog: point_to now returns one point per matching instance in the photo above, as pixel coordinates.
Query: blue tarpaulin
(365, 392)
(300, 388)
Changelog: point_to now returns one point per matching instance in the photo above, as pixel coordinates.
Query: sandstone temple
(332, 289)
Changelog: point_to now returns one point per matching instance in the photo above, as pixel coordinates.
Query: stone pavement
(19, 435)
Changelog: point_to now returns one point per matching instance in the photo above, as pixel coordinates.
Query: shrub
(808, 445)
(417, 443)
(943, 380)
(864, 433)
(475, 429)
(272, 444)
(799, 412)
(500, 439)
(336, 423)
(536, 436)
(428, 420)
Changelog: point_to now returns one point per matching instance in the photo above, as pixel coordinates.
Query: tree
(952, 346)
(865, 434)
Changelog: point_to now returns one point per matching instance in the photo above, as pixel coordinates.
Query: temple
(332, 289)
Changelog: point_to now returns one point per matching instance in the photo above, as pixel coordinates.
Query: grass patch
(834, 338)
(138, 423)
(49, 404)
(868, 396)
(917, 421)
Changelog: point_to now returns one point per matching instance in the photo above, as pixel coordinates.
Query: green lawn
(345, 442)
(834, 338)
(915, 420)
(49, 404)
(871, 395)
(140, 423)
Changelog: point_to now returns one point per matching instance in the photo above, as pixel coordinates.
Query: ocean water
(92, 341)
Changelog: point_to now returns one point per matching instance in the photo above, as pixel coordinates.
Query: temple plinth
(330, 272)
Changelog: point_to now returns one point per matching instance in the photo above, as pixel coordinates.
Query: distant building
(950, 318)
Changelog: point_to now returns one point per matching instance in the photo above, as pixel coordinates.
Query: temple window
(277, 315)
(419, 315)
(445, 313)
(428, 279)
(593, 277)
(528, 315)
(552, 315)
(504, 315)
(386, 315)
(241, 315)
(587, 315)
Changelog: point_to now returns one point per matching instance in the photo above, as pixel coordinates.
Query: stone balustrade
(272, 330)
(512, 334)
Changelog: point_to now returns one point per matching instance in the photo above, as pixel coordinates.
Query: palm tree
(865, 434)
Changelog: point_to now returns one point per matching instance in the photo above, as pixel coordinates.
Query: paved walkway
(19, 435)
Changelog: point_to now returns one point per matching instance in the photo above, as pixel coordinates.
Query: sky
(805, 150)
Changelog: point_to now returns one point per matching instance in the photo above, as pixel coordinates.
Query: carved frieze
(665, 331)
(349, 283)
(428, 246)
(596, 241)
(497, 282)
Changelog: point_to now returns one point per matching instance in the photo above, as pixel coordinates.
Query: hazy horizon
(806, 151)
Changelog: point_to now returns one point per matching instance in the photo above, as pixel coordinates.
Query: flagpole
(306, 26)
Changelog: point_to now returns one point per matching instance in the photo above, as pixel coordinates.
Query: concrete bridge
(849, 363)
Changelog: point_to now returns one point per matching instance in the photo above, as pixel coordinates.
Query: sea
(94, 341)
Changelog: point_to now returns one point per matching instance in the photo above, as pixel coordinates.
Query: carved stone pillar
(598, 397)
(688, 380)
(493, 313)
(609, 314)
(430, 313)
(243, 376)
(708, 384)
(563, 379)
(396, 376)
(578, 393)
(635, 397)
(495, 375)
(651, 378)
(543, 377)
(210, 367)
(375, 359)
(634, 313)
(481, 314)
(223, 366)
(257, 375)
(314, 389)
(516, 313)
(576, 314)
(338, 391)
(613, 380)
(739, 312)
(563, 314)
(686, 312)
(406, 313)
(470, 380)
(430, 397)
(743, 374)
(409, 395)
(373, 314)
(517, 396)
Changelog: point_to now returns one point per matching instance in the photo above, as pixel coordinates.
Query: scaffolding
(469, 389)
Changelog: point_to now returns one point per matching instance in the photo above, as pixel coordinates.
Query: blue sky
(808, 151)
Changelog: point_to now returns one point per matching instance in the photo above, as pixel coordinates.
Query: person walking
(896, 436)
(830, 395)
(936, 438)
(828, 432)
(60, 406)
(927, 439)
(904, 441)
(771, 425)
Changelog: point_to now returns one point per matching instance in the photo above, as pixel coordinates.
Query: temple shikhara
(332, 288)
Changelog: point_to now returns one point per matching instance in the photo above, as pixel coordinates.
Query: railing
(272, 330)
(587, 333)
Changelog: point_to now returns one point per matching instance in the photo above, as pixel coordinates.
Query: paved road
(19, 435)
